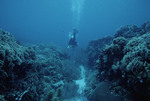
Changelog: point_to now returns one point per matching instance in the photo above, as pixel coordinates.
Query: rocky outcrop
(126, 63)
(103, 93)
(128, 31)
(94, 50)
(35, 73)
(14, 60)
(29, 73)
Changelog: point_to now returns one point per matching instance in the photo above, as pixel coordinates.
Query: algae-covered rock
(26, 73)
(145, 27)
(126, 63)
(128, 31)
(57, 84)
(14, 59)
(94, 49)
(49, 55)
(102, 93)
(35, 73)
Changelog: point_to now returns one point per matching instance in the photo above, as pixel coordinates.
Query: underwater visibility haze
(39, 21)
(74, 50)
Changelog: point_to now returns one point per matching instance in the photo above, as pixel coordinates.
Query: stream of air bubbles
(77, 7)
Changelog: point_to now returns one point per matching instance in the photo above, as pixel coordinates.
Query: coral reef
(128, 31)
(45, 72)
(35, 73)
(94, 49)
(102, 93)
(126, 63)
(15, 61)
(50, 63)
(145, 27)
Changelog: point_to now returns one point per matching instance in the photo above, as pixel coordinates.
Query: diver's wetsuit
(72, 42)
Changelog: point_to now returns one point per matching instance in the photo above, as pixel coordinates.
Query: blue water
(38, 21)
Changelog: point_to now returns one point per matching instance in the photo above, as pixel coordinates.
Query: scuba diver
(72, 39)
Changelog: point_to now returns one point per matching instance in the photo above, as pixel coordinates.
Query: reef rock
(102, 93)
(30, 73)
(145, 27)
(14, 59)
(128, 31)
(16, 62)
(94, 49)
(126, 62)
